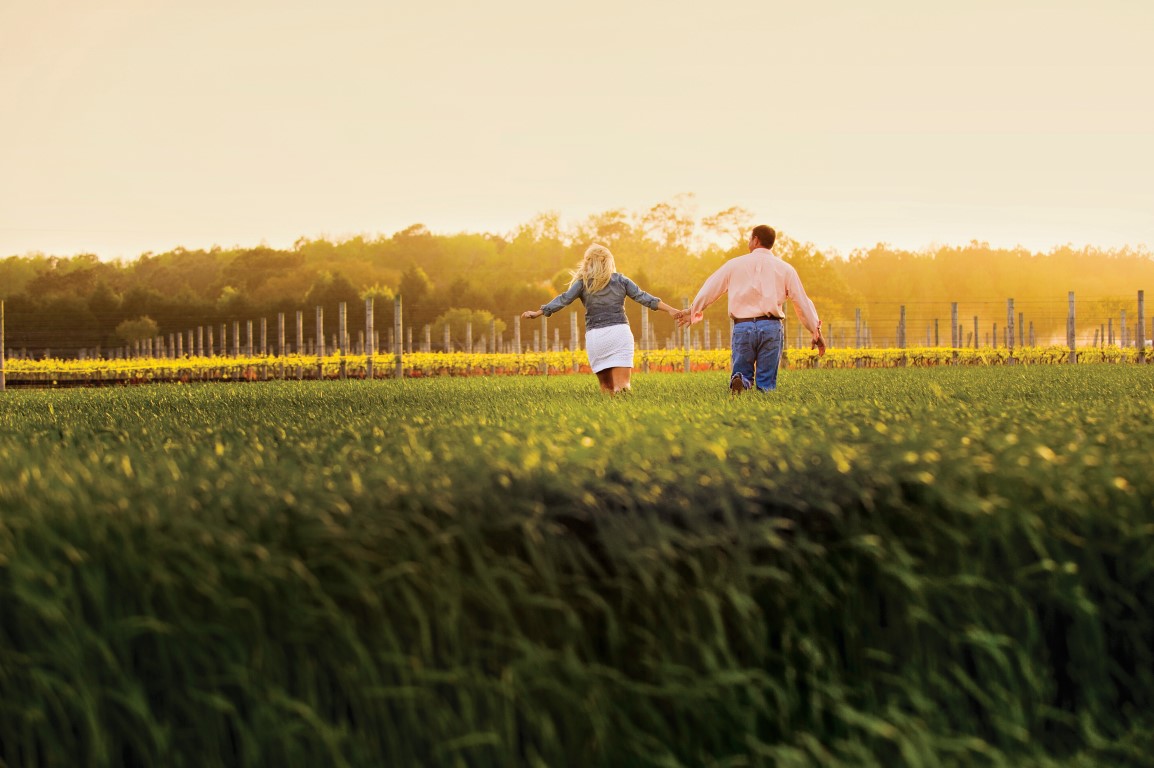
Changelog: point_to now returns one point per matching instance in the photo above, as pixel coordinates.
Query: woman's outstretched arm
(646, 299)
(557, 302)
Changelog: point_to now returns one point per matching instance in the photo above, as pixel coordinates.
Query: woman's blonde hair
(595, 269)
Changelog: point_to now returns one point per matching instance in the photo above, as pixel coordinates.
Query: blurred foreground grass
(869, 567)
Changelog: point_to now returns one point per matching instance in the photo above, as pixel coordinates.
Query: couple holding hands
(758, 284)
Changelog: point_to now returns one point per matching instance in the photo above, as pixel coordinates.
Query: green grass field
(924, 567)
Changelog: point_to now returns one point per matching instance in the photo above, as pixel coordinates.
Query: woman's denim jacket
(607, 306)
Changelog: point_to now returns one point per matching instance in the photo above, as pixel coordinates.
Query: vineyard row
(424, 364)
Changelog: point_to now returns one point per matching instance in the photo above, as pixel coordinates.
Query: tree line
(64, 304)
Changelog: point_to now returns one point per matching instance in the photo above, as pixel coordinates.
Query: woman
(608, 339)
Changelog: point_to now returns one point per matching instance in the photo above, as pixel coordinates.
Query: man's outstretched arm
(712, 290)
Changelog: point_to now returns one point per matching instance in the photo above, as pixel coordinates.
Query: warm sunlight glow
(133, 126)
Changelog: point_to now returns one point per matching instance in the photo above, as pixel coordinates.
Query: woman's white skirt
(609, 347)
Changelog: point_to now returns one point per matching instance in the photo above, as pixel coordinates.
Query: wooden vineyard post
(320, 342)
(397, 327)
(685, 333)
(955, 332)
(264, 348)
(370, 348)
(517, 335)
(573, 340)
(280, 330)
(858, 338)
(469, 347)
(544, 345)
(342, 336)
(495, 347)
(448, 341)
(645, 342)
(1070, 326)
(1010, 331)
(975, 332)
(300, 346)
(428, 346)
(902, 333)
(3, 350)
(1141, 338)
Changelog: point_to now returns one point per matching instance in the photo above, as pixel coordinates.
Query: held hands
(684, 317)
(531, 314)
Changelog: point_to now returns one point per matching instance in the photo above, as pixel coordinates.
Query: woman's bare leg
(605, 378)
(620, 378)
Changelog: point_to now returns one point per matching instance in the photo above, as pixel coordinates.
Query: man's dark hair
(765, 235)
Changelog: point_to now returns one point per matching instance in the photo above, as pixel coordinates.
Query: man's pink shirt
(758, 283)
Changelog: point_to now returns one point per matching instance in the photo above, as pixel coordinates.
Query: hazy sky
(136, 125)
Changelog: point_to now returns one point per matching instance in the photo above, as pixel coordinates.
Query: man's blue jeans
(758, 344)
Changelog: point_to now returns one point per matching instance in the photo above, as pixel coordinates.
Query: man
(758, 285)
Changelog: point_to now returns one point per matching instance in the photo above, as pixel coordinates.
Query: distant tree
(69, 303)
(672, 224)
(286, 291)
(65, 326)
(608, 229)
(139, 300)
(331, 289)
(137, 330)
(415, 290)
(538, 249)
(15, 273)
(103, 303)
(233, 304)
(462, 292)
(252, 268)
(509, 301)
(379, 293)
(457, 320)
(730, 227)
